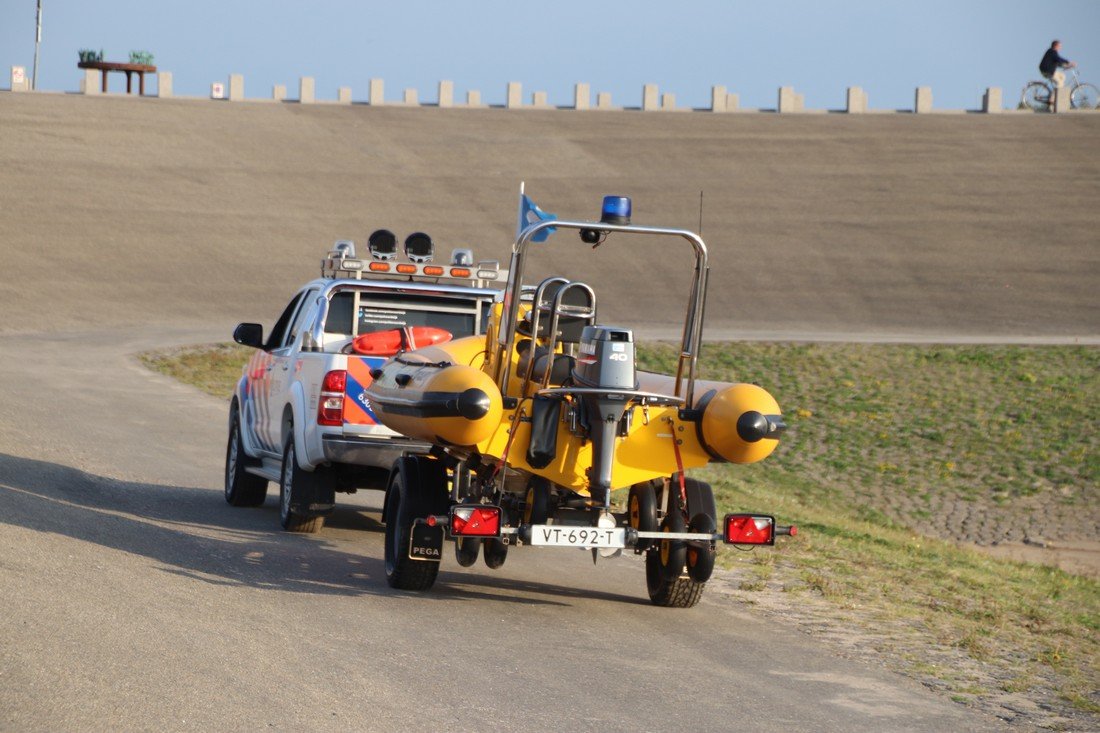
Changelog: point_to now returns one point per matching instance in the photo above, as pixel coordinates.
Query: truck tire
(417, 489)
(241, 488)
(293, 489)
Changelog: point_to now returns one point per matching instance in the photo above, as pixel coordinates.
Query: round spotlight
(382, 244)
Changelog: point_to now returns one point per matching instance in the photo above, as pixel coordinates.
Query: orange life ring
(388, 343)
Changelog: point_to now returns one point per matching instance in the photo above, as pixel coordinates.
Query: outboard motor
(605, 363)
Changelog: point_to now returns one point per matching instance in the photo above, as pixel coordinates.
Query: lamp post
(37, 43)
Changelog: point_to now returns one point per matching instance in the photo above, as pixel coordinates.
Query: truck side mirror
(249, 334)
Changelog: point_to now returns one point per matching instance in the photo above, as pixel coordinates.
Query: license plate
(565, 536)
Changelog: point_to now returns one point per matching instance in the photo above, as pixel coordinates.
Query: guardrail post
(540, 100)
(991, 100)
(236, 88)
(343, 95)
(376, 95)
(923, 100)
(411, 99)
(305, 90)
(857, 101)
(1061, 99)
(92, 81)
(278, 92)
(718, 99)
(446, 93)
(668, 101)
(603, 101)
(473, 98)
(164, 84)
(788, 100)
(582, 96)
(649, 97)
(514, 95)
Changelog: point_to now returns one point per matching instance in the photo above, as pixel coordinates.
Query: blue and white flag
(530, 213)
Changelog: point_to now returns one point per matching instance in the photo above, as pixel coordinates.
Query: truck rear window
(381, 312)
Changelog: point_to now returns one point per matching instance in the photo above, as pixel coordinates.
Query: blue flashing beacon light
(616, 210)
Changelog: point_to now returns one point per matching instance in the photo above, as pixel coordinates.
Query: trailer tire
(292, 488)
(411, 495)
(642, 512)
(241, 488)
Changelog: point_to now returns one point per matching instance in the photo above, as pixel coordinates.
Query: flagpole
(519, 211)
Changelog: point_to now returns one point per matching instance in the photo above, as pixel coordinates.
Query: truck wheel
(241, 488)
(410, 497)
(292, 490)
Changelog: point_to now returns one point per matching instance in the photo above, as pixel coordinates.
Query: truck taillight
(330, 410)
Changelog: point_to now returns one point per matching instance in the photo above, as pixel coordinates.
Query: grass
(893, 451)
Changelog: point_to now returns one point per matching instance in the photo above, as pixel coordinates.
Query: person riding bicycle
(1051, 67)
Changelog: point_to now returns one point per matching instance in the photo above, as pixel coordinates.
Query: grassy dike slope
(202, 211)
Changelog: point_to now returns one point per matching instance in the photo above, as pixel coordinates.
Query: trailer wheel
(664, 565)
(241, 488)
(292, 489)
(642, 512)
(496, 552)
(700, 562)
(536, 508)
(409, 497)
(466, 550)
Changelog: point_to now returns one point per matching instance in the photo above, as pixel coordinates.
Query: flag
(530, 213)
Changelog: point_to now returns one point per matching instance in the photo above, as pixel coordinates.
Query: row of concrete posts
(789, 100)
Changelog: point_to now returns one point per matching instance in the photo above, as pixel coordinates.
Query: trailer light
(330, 409)
(433, 270)
(382, 244)
(419, 247)
(407, 269)
(475, 520)
(460, 272)
(616, 210)
(379, 267)
(749, 529)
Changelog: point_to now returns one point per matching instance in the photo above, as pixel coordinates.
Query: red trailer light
(475, 520)
(749, 529)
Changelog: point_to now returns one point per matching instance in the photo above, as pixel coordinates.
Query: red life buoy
(388, 343)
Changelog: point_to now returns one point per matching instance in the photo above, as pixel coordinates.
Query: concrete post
(582, 96)
(236, 88)
(540, 100)
(473, 98)
(446, 94)
(857, 101)
(799, 102)
(411, 98)
(92, 81)
(923, 102)
(649, 97)
(514, 96)
(19, 79)
(305, 90)
(1061, 99)
(278, 92)
(991, 101)
(164, 84)
(603, 101)
(718, 99)
(377, 93)
(788, 100)
(668, 101)
(733, 102)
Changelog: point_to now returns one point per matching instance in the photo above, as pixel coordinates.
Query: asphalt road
(135, 598)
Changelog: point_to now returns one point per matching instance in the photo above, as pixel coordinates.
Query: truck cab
(299, 415)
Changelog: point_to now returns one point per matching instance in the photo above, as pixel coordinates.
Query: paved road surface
(135, 598)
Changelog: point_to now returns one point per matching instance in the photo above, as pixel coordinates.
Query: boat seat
(559, 372)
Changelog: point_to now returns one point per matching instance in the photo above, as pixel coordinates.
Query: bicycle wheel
(1084, 96)
(1036, 97)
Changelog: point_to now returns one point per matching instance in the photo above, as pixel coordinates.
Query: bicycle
(1039, 95)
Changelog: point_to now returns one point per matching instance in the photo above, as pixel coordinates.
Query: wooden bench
(129, 69)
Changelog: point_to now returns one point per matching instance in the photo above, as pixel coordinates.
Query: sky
(887, 47)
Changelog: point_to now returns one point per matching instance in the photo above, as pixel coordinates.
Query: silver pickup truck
(299, 416)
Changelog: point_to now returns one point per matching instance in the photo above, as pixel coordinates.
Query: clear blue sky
(889, 47)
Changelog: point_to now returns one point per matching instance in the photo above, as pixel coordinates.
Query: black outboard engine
(605, 363)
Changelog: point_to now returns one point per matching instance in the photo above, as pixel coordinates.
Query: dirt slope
(122, 210)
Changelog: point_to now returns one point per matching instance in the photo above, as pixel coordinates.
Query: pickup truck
(299, 416)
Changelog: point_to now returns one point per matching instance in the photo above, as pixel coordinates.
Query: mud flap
(545, 413)
(426, 543)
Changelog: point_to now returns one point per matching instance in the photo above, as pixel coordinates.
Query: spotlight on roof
(419, 247)
(462, 257)
(382, 244)
(344, 249)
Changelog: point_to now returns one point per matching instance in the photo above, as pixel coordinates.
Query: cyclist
(1051, 68)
